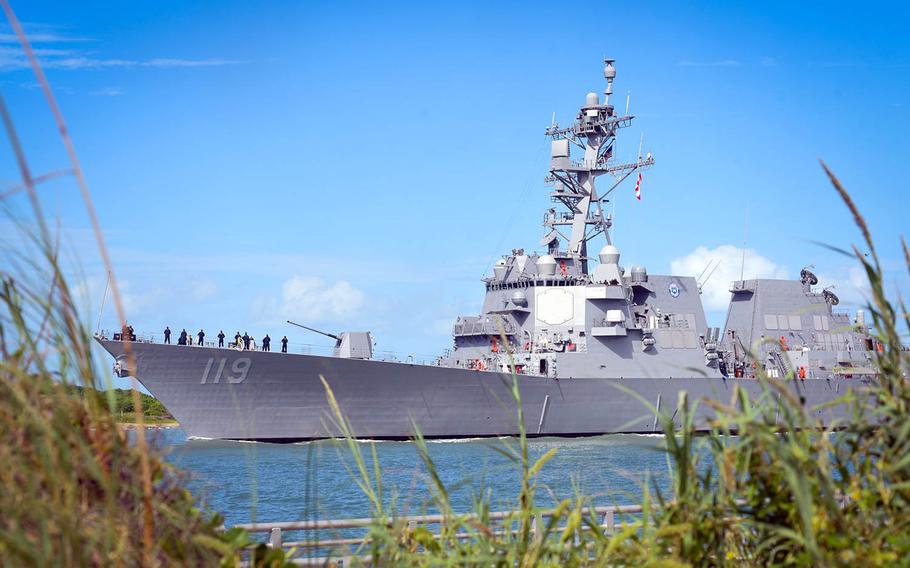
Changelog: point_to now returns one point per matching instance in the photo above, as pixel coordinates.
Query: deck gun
(348, 344)
(332, 335)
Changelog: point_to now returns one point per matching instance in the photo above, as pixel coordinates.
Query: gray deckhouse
(560, 319)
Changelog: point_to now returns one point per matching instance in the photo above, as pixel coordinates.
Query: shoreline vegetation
(785, 491)
(153, 412)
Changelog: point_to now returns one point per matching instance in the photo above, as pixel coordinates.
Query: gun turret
(332, 335)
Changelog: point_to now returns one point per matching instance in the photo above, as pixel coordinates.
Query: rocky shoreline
(152, 426)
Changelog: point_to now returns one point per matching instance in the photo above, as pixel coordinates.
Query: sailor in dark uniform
(265, 342)
(182, 339)
(167, 334)
(221, 338)
(284, 344)
(246, 341)
(201, 336)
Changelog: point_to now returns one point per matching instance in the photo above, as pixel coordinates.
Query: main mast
(573, 182)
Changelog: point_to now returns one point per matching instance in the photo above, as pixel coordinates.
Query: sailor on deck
(167, 334)
(221, 338)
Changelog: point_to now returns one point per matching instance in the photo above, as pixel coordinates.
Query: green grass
(771, 485)
(74, 490)
(124, 408)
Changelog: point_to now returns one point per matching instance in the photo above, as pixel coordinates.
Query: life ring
(480, 365)
(527, 345)
(802, 372)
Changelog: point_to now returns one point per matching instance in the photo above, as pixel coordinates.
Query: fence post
(537, 527)
(275, 538)
(609, 522)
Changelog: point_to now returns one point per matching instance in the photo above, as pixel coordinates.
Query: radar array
(573, 181)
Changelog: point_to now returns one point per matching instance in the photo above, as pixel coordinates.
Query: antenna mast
(573, 182)
(742, 269)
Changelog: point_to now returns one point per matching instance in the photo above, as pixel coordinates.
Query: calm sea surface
(283, 482)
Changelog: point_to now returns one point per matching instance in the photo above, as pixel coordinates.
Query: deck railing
(277, 531)
(293, 347)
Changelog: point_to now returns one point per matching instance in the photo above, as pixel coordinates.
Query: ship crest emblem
(674, 289)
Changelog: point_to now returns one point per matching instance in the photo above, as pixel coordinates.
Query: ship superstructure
(585, 338)
(558, 317)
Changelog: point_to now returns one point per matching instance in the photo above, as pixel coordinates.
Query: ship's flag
(638, 187)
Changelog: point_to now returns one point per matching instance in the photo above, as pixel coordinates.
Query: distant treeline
(123, 404)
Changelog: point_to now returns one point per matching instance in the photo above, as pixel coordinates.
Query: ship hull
(227, 394)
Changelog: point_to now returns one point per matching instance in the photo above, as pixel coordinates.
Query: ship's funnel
(546, 265)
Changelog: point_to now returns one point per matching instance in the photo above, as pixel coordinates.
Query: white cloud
(81, 62)
(65, 55)
(164, 62)
(310, 299)
(92, 292)
(851, 285)
(41, 37)
(203, 289)
(716, 292)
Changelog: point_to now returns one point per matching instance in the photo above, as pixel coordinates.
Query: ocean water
(248, 481)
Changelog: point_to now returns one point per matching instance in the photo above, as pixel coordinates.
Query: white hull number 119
(238, 371)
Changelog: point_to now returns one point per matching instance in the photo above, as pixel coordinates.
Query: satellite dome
(519, 298)
(609, 255)
(639, 274)
(546, 265)
(592, 100)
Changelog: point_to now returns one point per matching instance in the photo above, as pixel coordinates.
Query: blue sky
(360, 165)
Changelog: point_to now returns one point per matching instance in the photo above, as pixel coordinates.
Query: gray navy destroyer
(585, 339)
